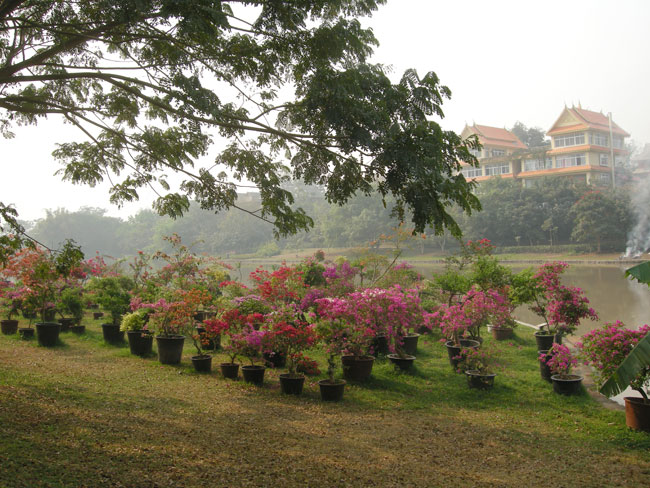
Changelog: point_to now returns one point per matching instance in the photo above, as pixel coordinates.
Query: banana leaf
(631, 366)
(640, 272)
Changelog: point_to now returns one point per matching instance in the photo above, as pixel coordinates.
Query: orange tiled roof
(494, 136)
(589, 120)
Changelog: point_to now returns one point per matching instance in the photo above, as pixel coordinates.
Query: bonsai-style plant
(10, 300)
(71, 304)
(477, 364)
(249, 343)
(559, 360)
(113, 294)
(290, 337)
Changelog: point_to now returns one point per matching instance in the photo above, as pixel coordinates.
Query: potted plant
(138, 335)
(560, 361)
(113, 293)
(477, 364)
(10, 302)
(43, 274)
(287, 331)
(250, 344)
(70, 307)
(354, 335)
(619, 357)
(561, 307)
(221, 327)
(331, 334)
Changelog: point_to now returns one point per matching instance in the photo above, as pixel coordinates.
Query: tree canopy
(531, 136)
(150, 84)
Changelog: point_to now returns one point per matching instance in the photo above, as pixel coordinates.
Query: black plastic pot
(380, 345)
(480, 381)
(404, 363)
(26, 333)
(229, 370)
(112, 334)
(453, 350)
(544, 370)
(570, 384)
(253, 374)
(9, 327)
(140, 344)
(331, 392)
(291, 384)
(98, 315)
(410, 344)
(170, 349)
(78, 329)
(48, 333)
(545, 341)
(202, 364)
(357, 368)
(66, 323)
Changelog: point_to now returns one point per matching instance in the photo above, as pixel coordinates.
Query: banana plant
(629, 371)
(638, 360)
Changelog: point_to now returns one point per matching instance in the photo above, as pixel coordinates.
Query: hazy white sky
(503, 61)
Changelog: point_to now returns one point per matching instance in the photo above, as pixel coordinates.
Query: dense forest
(556, 212)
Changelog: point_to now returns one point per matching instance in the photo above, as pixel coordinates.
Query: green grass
(89, 414)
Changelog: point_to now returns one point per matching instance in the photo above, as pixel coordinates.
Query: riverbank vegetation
(557, 217)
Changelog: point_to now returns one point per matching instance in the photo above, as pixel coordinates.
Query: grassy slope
(88, 414)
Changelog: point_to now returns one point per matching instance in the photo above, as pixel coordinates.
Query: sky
(504, 61)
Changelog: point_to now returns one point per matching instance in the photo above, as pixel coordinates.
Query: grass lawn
(86, 414)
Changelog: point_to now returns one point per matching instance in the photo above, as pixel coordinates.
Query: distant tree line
(555, 212)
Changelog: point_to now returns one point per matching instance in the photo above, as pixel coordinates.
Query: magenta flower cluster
(606, 348)
(559, 359)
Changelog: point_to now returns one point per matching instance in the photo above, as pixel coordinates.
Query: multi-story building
(580, 149)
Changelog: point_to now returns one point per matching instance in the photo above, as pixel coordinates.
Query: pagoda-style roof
(577, 119)
(493, 136)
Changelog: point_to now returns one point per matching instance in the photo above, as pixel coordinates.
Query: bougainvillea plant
(249, 343)
(288, 333)
(480, 360)
(475, 309)
(562, 307)
(605, 349)
(559, 360)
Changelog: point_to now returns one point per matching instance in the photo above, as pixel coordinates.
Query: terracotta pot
(291, 384)
(357, 368)
(229, 370)
(253, 374)
(637, 414)
(410, 344)
(502, 333)
(331, 392)
(170, 349)
(569, 384)
(48, 333)
(140, 344)
(9, 327)
(480, 381)
(202, 364)
(404, 363)
(112, 334)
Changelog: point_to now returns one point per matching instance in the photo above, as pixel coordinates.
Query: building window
(537, 164)
(598, 139)
(604, 177)
(618, 142)
(498, 152)
(475, 152)
(472, 172)
(604, 159)
(575, 139)
(497, 169)
(569, 160)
